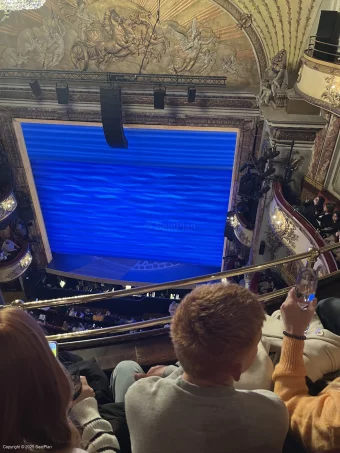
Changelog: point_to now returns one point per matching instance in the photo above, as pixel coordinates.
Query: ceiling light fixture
(9, 6)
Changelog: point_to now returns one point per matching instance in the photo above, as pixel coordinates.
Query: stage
(123, 271)
(151, 213)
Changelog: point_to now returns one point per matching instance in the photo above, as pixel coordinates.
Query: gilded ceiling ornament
(297, 29)
(289, 20)
(332, 93)
(245, 21)
(263, 21)
(280, 19)
(273, 22)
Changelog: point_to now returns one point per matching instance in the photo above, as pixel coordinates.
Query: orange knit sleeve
(315, 420)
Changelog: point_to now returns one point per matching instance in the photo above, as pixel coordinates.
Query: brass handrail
(112, 329)
(313, 254)
(265, 298)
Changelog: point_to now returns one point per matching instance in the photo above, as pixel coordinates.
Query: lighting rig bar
(113, 78)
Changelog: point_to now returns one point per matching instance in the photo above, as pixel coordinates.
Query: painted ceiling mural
(191, 37)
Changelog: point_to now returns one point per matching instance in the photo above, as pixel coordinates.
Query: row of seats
(206, 402)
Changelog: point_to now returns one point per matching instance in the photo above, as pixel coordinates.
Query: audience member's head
(215, 332)
(328, 208)
(336, 217)
(319, 201)
(35, 391)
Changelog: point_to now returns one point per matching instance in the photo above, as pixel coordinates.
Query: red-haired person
(215, 332)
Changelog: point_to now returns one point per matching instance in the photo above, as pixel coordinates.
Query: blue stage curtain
(165, 198)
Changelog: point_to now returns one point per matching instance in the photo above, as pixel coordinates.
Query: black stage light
(269, 172)
(244, 166)
(62, 93)
(36, 89)
(273, 153)
(263, 191)
(191, 94)
(159, 98)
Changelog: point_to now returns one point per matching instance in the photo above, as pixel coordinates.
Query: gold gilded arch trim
(250, 32)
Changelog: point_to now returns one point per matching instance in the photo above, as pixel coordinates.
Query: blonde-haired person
(314, 420)
(36, 395)
(215, 332)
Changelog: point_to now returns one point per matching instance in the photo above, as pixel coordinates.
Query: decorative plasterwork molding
(250, 31)
(243, 234)
(12, 270)
(284, 229)
(320, 95)
(245, 21)
(332, 92)
(322, 66)
(289, 134)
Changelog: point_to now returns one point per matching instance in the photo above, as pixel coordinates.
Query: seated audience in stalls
(36, 395)
(314, 420)
(334, 238)
(215, 331)
(326, 218)
(333, 228)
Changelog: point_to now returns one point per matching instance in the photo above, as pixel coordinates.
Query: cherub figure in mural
(13, 59)
(207, 59)
(188, 47)
(230, 65)
(45, 44)
(77, 11)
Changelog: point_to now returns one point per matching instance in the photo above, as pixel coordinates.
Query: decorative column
(322, 152)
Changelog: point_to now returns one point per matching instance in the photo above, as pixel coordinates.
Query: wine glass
(306, 284)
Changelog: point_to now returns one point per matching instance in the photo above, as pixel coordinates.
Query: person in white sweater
(215, 332)
(36, 396)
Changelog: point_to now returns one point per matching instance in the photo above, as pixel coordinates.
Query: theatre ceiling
(196, 37)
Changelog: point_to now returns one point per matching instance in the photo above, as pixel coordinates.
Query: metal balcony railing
(322, 50)
(311, 256)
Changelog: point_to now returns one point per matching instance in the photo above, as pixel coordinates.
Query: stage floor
(123, 270)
